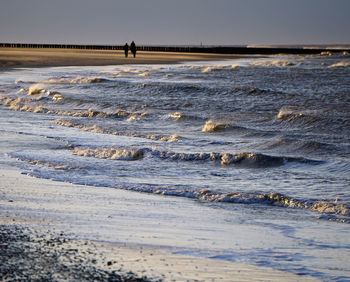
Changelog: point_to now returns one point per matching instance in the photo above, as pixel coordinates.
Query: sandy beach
(34, 212)
(26, 57)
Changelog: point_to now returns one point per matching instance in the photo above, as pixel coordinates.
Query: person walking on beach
(126, 49)
(133, 48)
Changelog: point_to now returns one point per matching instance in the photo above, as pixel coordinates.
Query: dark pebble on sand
(26, 256)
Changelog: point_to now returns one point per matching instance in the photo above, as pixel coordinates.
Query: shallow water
(264, 141)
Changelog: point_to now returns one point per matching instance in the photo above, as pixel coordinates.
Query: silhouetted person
(133, 48)
(126, 49)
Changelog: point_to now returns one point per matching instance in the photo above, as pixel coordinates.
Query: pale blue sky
(232, 22)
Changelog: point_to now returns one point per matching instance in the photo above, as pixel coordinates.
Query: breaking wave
(180, 116)
(217, 125)
(39, 88)
(329, 210)
(55, 165)
(211, 126)
(245, 159)
(292, 114)
(29, 105)
(75, 80)
(341, 64)
(212, 68)
(273, 63)
(112, 154)
(333, 120)
(326, 53)
(98, 129)
(130, 72)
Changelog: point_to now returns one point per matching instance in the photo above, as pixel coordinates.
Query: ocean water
(265, 140)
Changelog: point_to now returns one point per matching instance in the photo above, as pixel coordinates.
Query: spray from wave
(245, 159)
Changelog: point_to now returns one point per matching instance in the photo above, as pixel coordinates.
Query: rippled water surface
(268, 136)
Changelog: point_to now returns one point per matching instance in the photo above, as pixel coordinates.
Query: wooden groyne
(241, 50)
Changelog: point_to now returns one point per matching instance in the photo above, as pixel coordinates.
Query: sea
(264, 140)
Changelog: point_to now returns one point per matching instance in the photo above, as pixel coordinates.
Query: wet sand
(34, 237)
(28, 57)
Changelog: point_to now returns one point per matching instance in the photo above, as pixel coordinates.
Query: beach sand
(34, 212)
(27, 57)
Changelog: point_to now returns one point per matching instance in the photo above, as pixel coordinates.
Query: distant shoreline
(46, 55)
(12, 57)
(212, 49)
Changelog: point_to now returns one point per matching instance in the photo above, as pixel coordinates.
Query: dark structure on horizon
(239, 50)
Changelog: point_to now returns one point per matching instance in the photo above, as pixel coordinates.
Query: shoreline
(25, 214)
(33, 58)
(28, 253)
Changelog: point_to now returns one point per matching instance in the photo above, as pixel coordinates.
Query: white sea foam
(38, 162)
(41, 89)
(326, 53)
(76, 80)
(176, 115)
(112, 154)
(144, 74)
(341, 64)
(131, 70)
(276, 63)
(136, 116)
(212, 68)
(30, 105)
(245, 159)
(57, 97)
(216, 125)
(98, 129)
(291, 113)
(36, 89)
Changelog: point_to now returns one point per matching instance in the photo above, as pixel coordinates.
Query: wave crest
(54, 165)
(215, 126)
(98, 129)
(76, 80)
(245, 159)
(335, 211)
(36, 89)
(330, 210)
(341, 64)
(112, 154)
(28, 105)
(212, 68)
(291, 114)
(273, 63)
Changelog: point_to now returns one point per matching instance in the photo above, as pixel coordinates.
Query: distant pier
(239, 50)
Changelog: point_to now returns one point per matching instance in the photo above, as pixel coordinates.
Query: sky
(175, 22)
